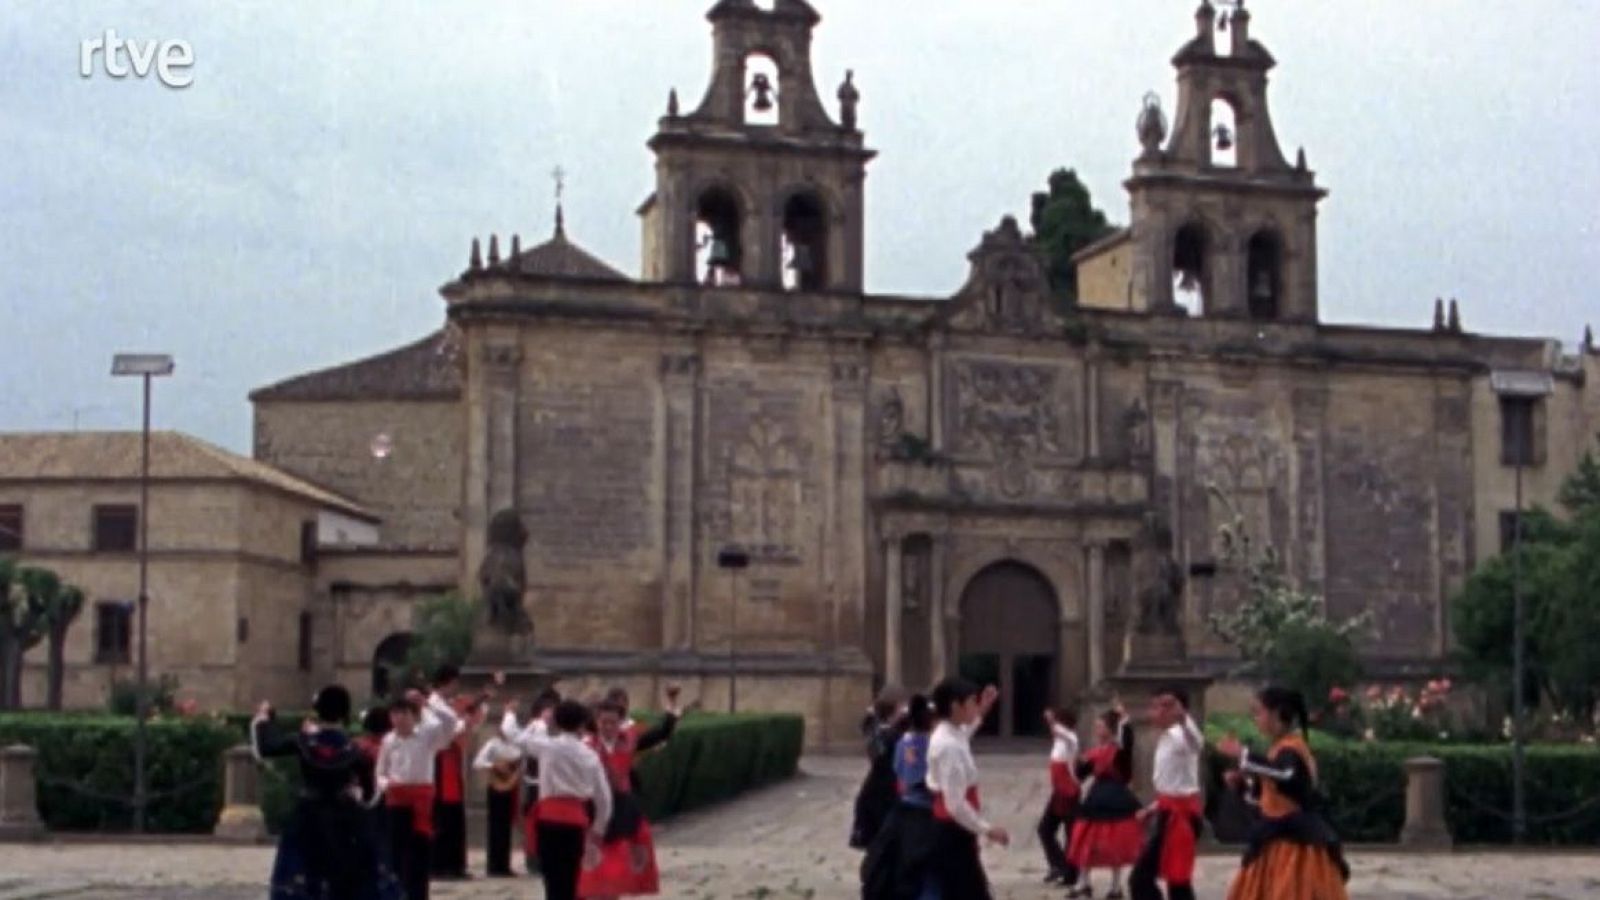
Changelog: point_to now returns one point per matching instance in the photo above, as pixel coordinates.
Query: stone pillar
(1091, 410)
(936, 390)
(1425, 827)
(19, 809)
(241, 820)
(893, 612)
(679, 375)
(1095, 592)
(939, 660)
(504, 359)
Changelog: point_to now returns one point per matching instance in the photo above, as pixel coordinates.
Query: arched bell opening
(1265, 276)
(719, 256)
(805, 243)
(1190, 275)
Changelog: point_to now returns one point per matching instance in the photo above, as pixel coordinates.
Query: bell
(801, 262)
(1187, 281)
(761, 86)
(763, 102)
(721, 253)
(1224, 138)
(1263, 284)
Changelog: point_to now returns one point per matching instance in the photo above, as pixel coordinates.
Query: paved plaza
(783, 842)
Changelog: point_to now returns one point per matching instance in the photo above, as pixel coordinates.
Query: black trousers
(1142, 880)
(560, 858)
(502, 805)
(1055, 851)
(412, 854)
(449, 839)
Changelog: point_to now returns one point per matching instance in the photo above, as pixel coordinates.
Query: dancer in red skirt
(627, 861)
(1107, 834)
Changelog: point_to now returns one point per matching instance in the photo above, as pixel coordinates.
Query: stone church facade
(981, 482)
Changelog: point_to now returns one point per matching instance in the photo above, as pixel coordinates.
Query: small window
(113, 632)
(305, 642)
(242, 630)
(116, 529)
(1508, 531)
(1518, 438)
(10, 527)
(308, 543)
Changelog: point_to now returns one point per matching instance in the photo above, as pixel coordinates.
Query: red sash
(1178, 845)
(562, 811)
(942, 812)
(1063, 787)
(448, 774)
(416, 797)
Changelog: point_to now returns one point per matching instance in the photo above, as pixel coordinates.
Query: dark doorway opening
(1009, 633)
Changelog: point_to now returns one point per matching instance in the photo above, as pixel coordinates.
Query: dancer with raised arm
(953, 781)
(1061, 809)
(627, 862)
(421, 727)
(572, 781)
(1107, 833)
(1175, 819)
(327, 847)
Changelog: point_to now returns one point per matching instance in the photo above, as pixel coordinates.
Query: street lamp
(1525, 389)
(732, 560)
(146, 366)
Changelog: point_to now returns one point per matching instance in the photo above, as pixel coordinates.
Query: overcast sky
(302, 201)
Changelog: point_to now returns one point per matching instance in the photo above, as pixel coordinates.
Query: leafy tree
(1279, 628)
(442, 634)
(58, 605)
(1065, 221)
(22, 626)
(1560, 572)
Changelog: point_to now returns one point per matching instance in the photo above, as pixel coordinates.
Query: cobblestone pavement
(783, 842)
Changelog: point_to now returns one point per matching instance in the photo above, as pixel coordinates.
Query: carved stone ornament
(1152, 125)
(502, 576)
(1136, 428)
(1161, 594)
(1009, 287)
(891, 420)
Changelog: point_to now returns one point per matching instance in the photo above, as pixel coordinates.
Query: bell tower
(759, 186)
(1223, 225)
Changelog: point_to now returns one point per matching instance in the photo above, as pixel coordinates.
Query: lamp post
(146, 366)
(1526, 389)
(732, 560)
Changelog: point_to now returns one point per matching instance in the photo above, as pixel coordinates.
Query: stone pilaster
(893, 611)
(1094, 590)
(1310, 408)
(939, 660)
(680, 373)
(848, 523)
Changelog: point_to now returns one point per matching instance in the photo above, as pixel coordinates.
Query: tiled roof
(174, 456)
(422, 370)
(561, 258)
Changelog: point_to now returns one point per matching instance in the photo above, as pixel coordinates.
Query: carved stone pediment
(1008, 290)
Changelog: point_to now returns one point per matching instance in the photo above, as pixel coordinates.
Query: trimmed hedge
(84, 769)
(1364, 783)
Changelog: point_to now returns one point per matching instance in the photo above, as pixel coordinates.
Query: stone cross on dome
(559, 176)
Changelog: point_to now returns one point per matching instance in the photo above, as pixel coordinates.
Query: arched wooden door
(1009, 616)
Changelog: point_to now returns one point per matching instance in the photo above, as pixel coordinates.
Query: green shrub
(84, 769)
(712, 758)
(1364, 782)
(161, 695)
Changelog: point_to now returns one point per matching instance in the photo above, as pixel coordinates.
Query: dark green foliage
(442, 634)
(1364, 783)
(1313, 659)
(161, 694)
(1065, 220)
(712, 758)
(85, 769)
(1560, 566)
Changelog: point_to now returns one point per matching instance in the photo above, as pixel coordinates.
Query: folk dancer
(953, 781)
(1106, 834)
(327, 848)
(571, 781)
(896, 866)
(882, 728)
(421, 728)
(1061, 809)
(1175, 819)
(627, 862)
(1293, 853)
(450, 779)
(543, 704)
(503, 760)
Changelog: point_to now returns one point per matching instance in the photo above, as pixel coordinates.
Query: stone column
(939, 660)
(1425, 827)
(1095, 594)
(19, 809)
(679, 373)
(1091, 410)
(893, 611)
(849, 535)
(936, 391)
(241, 820)
(503, 385)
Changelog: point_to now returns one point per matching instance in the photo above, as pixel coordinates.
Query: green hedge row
(1364, 783)
(84, 769)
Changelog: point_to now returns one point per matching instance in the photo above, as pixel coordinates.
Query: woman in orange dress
(1293, 852)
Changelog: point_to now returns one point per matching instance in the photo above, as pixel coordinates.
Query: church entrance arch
(387, 661)
(1009, 616)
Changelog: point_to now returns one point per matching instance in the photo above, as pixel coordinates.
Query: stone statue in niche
(1136, 431)
(1161, 595)
(891, 420)
(503, 577)
(911, 580)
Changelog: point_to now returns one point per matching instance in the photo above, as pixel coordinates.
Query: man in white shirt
(1175, 818)
(1061, 809)
(404, 775)
(571, 780)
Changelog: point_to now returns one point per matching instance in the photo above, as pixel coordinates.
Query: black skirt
(1108, 800)
(956, 863)
(329, 850)
(897, 863)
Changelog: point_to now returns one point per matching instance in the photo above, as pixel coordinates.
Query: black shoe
(1116, 894)
(1055, 877)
